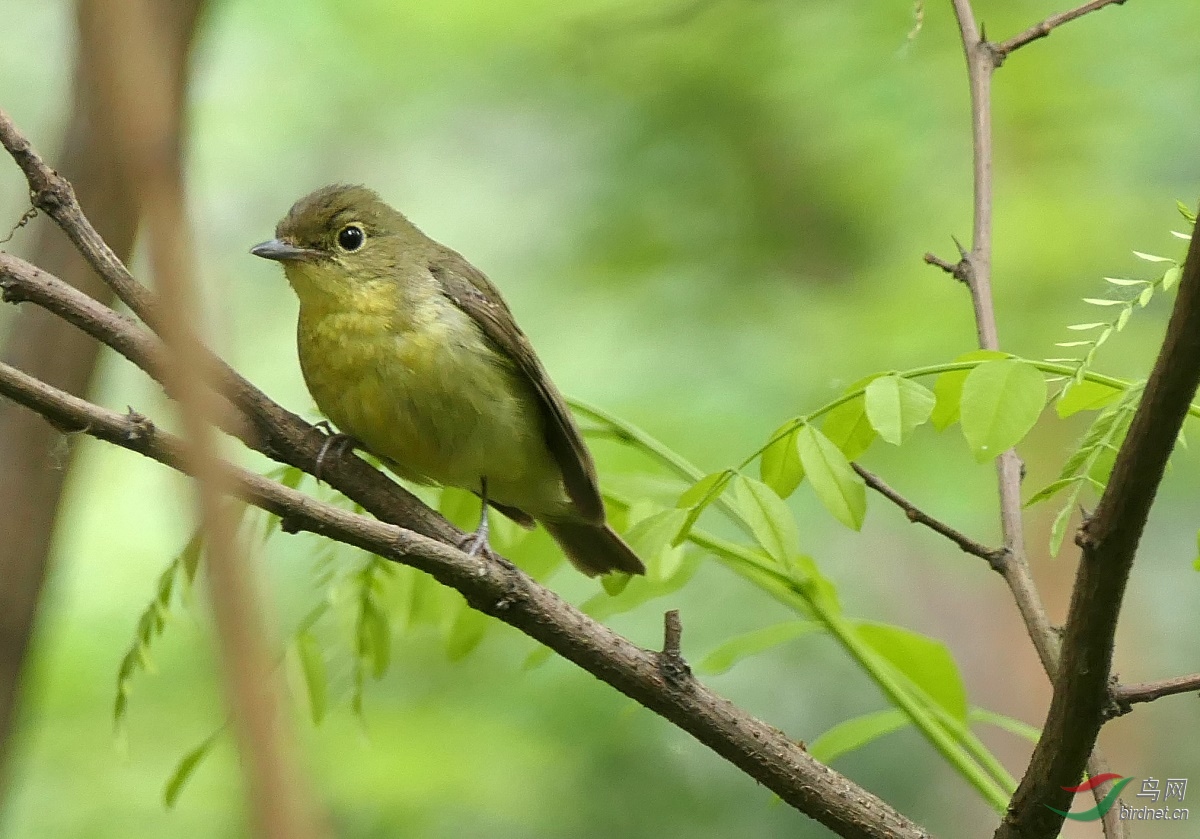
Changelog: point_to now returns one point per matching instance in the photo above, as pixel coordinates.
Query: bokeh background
(708, 217)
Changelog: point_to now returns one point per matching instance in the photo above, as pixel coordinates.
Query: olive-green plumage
(410, 350)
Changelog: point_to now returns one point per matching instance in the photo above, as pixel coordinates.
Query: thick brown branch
(1109, 541)
(1002, 50)
(498, 588)
(994, 556)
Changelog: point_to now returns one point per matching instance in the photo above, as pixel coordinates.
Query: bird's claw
(336, 444)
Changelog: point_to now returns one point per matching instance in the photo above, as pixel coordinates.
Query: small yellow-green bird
(409, 349)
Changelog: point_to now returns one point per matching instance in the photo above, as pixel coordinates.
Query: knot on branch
(139, 428)
(10, 292)
(999, 559)
(53, 193)
(1115, 705)
(961, 270)
(670, 661)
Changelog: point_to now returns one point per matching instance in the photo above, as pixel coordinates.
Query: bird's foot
(476, 544)
(336, 445)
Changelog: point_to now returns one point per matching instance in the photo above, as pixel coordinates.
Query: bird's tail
(594, 548)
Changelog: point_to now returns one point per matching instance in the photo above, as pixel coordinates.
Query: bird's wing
(467, 287)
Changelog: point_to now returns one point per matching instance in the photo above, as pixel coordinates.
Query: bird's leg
(477, 542)
(336, 444)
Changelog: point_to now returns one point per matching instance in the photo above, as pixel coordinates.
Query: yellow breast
(424, 389)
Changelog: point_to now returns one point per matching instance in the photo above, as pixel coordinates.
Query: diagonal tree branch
(498, 588)
(916, 515)
(1109, 541)
(425, 542)
(1004, 49)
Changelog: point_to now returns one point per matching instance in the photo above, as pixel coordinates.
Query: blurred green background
(706, 224)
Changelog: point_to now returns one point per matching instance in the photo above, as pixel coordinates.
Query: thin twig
(1008, 466)
(981, 63)
(1126, 695)
(1004, 49)
(500, 589)
(993, 556)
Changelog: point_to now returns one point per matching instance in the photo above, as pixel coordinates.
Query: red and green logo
(1104, 806)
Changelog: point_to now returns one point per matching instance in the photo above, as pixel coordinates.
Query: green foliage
(769, 519)
(925, 661)
(855, 733)
(1132, 294)
(779, 464)
(724, 657)
(174, 581)
(895, 407)
(187, 767)
(1091, 462)
(838, 486)
(1001, 400)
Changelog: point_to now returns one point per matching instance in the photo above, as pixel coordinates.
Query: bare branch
(993, 556)
(977, 263)
(1127, 695)
(1004, 49)
(500, 589)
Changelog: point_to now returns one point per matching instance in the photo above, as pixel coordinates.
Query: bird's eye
(351, 237)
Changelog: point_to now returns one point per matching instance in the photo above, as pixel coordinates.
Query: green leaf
(191, 554)
(466, 632)
(769, 518)
(848, 427)
(740, 647)
(779, 465)
(855, 733)
(1149, 257)
(1012, 726)
(838, 486)
(1050, 490)
(1124, 282)
(1103, 301)
(696, 500)
(1171, 277)
(926, 661)
(376, 638)
(654, 534)
(948, 388)
(1085, 327)
(537, 657)
(1144, 298)
(705, 489)
(187, 766)
(1001, 401)
(614, 583)
(312, 666)
(1086, 396)
(896, 406)
(1058, 530)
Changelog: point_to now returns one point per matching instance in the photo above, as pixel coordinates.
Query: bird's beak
(282, 251)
